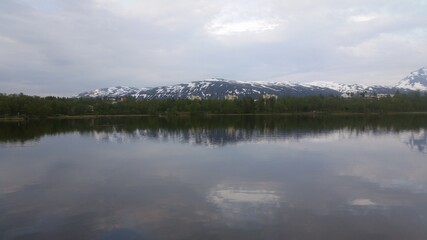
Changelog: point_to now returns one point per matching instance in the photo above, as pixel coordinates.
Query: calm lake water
(215, 178)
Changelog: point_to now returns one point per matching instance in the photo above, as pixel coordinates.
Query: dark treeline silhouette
(36, 107)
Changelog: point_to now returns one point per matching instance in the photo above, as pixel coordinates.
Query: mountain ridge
(218, 88)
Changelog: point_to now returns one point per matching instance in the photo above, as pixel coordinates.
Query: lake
(223, 177)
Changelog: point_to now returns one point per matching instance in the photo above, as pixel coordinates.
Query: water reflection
(222, 131)
(416, 140)
(243, 205)
(256, 178)
(362, 202)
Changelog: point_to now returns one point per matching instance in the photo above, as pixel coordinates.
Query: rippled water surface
(215, 178)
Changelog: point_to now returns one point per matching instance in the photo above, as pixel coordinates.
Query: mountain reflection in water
(416, 140)
(223, 177)
(221, 131)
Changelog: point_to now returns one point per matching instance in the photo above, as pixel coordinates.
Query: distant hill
(217, 88)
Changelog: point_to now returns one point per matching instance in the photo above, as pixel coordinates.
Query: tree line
(21, 105)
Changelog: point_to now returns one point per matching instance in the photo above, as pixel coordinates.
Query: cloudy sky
(62, 47)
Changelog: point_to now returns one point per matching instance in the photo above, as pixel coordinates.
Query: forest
(24, 106)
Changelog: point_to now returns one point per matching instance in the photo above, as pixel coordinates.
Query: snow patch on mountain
(339, 87)
(417, 80)
(118, 91)
(218, 88)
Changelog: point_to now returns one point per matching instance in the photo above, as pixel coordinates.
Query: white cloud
(163, 13)
(242, 26)
(385, 44)
(243, 17)
(7, 40)
(85, 44)
(362, 18)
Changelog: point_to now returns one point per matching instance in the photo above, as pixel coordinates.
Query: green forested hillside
(34, 106)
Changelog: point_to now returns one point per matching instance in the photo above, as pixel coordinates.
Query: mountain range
(217, 88)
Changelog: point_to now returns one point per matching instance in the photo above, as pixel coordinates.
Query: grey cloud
(64, 47)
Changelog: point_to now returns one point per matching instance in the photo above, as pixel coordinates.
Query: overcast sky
(63, 47)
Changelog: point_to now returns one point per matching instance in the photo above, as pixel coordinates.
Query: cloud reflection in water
(244, 204)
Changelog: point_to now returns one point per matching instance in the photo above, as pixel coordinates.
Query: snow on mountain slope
(221, 89)
(417, 80)
(339, 87)
(211, 89)
(112, 92)
(217, 88)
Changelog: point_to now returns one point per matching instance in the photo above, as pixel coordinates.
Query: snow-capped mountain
(217, 88)
(112, 92)
(220, 89)
(416, 81)
(223, 89)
